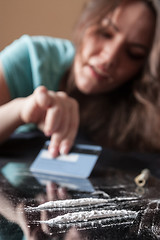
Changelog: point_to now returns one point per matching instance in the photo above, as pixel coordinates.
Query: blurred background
(37, 17)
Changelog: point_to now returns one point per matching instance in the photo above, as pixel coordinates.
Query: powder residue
(84, 216)
(70, 203)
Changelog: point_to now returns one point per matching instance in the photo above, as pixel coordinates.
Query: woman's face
(116, 50)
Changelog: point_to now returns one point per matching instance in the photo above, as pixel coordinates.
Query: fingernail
(53, 152)
(64, 149)
(51, 186)
(47, 133)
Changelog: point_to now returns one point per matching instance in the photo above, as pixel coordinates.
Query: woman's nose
(111, 55)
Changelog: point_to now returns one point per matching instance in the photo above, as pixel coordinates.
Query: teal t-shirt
(32, 61)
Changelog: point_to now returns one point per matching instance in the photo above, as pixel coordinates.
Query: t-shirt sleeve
(33, 61)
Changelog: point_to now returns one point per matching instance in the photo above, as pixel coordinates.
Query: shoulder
(49, 44)
(39, 46)
(34, 60)
(49, 50)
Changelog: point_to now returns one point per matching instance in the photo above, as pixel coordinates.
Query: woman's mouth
(98, 73)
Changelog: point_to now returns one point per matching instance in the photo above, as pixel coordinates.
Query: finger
(70, 135)
(40, 198)
(57, 116)
(61, 143)
(43, 97)
(56, 139)
(51, 191)
(54, 144)
(73, 234)
(51, 195)
(63, 140)
(61, 133)
(62, 128)
(52, 120)
(62, 193)
(67, 105)
(43, 218)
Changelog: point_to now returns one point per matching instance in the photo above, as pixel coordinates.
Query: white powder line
(69, 203)
(80, 202)
(85, 216)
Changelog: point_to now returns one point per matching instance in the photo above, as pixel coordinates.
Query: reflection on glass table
(115, 209)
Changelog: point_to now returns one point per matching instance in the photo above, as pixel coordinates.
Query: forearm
(10, 117)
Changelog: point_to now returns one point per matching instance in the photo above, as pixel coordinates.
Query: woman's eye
(136, 56)
(107, 35)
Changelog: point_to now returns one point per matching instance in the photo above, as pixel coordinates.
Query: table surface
(130, 212)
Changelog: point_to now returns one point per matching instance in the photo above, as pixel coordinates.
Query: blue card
(77, 164)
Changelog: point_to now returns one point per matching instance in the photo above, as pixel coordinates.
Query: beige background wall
(37, 17)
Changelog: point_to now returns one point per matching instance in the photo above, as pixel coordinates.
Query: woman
(110, 89)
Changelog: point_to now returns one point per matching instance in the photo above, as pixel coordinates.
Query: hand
(56, 114)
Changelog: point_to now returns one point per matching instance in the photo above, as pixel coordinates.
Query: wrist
(19, 106)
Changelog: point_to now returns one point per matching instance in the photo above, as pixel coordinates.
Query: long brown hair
(127, 118)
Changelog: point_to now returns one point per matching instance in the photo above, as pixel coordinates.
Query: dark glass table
(128, 211)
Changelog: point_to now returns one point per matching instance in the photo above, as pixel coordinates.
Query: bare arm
(9, 110)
